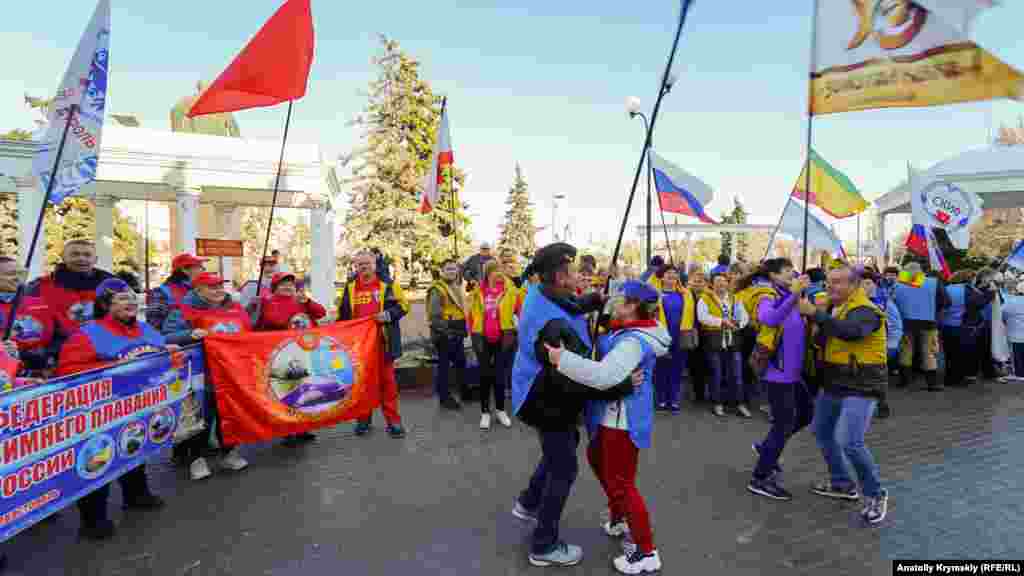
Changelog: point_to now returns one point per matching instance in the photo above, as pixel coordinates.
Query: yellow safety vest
(506, 307)
(715, 308)
(870, 351)
(450, 308)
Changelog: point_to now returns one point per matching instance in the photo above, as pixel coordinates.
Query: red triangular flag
(272, 68)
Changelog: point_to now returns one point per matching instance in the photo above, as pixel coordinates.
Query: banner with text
(273, 384)
(64, 439)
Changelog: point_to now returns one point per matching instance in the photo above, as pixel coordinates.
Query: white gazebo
(205, 178)
(996, 174)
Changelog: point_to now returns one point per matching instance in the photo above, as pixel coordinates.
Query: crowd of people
(555, 349)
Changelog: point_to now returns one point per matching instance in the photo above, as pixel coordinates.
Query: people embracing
(493, 327)
(207, 309)
(852, 337)
(548, 401)
(619, 429)
(722, 317)
(778, 361)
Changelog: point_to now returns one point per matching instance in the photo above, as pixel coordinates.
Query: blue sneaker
(769, 488)
(827, 490)
(562, 555)
(396, 431)
(876, 508)
(676, 409)
(362, 428)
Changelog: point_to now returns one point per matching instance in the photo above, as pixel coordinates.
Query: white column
(229, 227)
(30, 200)
(105, 232)
(882, 242)
(187, 217)
(322, 270)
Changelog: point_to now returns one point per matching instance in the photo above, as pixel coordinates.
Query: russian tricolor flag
(679, 191)
(921, 241)
(442, 157)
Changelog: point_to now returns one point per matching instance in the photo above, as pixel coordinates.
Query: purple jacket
(784, 311)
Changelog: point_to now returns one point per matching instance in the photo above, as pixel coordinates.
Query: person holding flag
(34, 324)
(920, 301)
(114, 336)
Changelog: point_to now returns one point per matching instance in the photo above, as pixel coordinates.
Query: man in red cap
(365, 296)
(114, 336)
(207, 309)
(168, 296)
(285, 308)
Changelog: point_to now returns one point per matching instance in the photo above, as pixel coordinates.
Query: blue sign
(64, 439)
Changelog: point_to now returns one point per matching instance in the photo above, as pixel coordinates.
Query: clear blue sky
(534, 81)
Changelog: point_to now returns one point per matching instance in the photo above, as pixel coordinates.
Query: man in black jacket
(548, 401)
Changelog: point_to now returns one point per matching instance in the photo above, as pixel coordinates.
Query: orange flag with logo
(273, 384)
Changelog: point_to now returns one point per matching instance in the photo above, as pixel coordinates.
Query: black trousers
(93, 506)
(494, 363)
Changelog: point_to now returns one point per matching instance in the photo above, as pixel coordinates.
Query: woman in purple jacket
(791, 402)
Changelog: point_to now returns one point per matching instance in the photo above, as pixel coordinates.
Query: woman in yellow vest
(721, 318)
(852, 335)
(446, 311)
(492, 326)
(676, 312)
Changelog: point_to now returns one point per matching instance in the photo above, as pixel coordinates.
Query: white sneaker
(743, 410)
(485, 422)
(637, 563)
(199, 469)
(234, 461)
(502, 417)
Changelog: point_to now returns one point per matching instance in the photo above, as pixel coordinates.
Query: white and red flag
(442, 157)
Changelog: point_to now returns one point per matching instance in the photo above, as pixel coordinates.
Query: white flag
(819, 236)
(84, 86)
(936, 203)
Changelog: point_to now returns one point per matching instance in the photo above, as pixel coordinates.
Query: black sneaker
(769, 489)
(147, 501)
(451, 404)
(102, 530)
(362, 428)
(884, 411)
(827, 490)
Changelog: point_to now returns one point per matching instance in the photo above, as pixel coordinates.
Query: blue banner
(64, 439)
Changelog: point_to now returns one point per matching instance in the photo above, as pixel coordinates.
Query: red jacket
(79, 353)
(69, 295)
(279, 312)
(33, 327)
(230, 319)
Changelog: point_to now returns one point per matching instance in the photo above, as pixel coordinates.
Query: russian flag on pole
(680, 192)
(85, 87)
(443, 157)
(921, 241)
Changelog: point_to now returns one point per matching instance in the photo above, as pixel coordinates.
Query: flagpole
(810, 128)
(39, 223)
(647, 143)
(860, 258)
(451, 190)
(273, 201)
(776, 231)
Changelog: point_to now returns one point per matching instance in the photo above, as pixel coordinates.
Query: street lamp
(633, 108)
(555, 197)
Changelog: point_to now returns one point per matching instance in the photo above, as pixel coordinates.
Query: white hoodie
(616, 366)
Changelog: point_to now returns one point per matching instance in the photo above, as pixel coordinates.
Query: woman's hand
(554, 354)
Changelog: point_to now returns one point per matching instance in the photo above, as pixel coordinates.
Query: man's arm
(857, 325)
(615, 367)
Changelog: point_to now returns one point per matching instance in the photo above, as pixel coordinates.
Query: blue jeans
(668, 378)
(726, 377)
(450, 351)
(792, 410)
(839, 425)
(550, 486)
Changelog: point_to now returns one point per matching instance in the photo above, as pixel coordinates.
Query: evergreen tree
(75, 218)
(738, 215)
(399, 127)
(518, 231)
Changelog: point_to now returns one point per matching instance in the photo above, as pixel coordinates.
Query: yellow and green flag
(831, 190)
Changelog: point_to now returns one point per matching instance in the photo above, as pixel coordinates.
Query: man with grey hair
(473, 268)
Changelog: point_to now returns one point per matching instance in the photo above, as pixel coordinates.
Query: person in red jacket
(207, 309)
(115, 336)
(286, 308)
(71, 289)
(33, 326)
(168, 296)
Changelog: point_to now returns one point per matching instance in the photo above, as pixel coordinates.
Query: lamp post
(633, 108)
(555, 197)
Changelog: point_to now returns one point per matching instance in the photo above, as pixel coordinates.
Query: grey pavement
(438, 502)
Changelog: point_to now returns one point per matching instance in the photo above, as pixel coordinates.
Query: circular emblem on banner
(948, 206)
(95, 456)
(161, 425)
(133, 438)
(300, 322)
(311, 374)
(80, 312)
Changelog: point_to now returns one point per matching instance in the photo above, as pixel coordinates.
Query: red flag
(272, 68)
(272, 384)
(442, 157)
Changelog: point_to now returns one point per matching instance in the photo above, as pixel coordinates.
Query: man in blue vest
(550, 402)
(115, 335)
(920, 301)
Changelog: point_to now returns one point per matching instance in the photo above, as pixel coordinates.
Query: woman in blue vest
(952, 321)
(115, 335)
(619, 429)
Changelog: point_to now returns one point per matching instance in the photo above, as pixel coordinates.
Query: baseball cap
(641, 291)
(185, 261)
(280, 277)
(208, 279)
(112, 286)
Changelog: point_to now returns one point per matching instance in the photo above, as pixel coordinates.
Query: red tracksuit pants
(388, 391)
(613, 457)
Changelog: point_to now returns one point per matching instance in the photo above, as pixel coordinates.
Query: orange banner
(273, 384)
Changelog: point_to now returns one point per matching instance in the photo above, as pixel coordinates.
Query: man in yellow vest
(852, 335)
(446, 310)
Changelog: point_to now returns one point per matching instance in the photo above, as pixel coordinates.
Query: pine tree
(399, 127)
(518, 232)
(738, 215)
(75, 218)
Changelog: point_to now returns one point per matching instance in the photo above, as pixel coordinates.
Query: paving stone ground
(438, 502)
